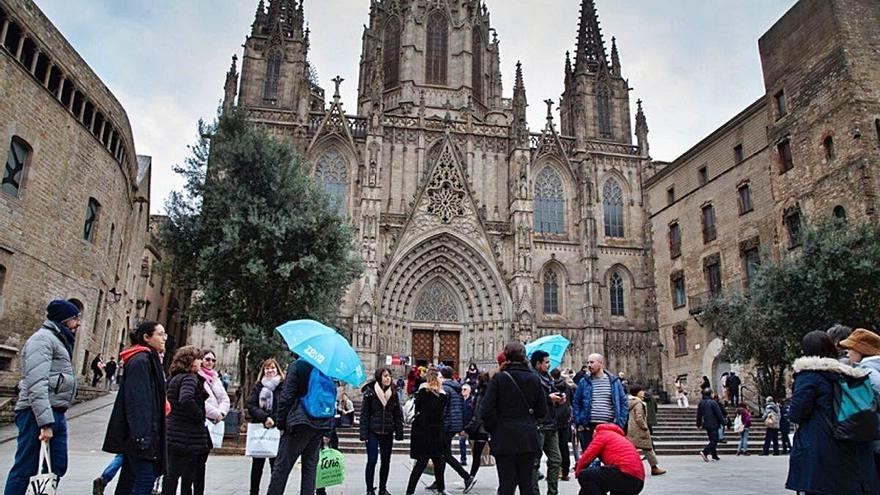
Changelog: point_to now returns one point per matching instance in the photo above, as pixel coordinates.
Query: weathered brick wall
(41, 230)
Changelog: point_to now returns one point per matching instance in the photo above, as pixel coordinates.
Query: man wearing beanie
(48, 387)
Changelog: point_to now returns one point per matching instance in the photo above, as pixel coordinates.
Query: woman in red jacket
(622, 472)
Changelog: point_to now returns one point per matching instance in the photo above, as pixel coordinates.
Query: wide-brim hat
(865, 342)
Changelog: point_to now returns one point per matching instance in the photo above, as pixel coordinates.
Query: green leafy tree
(831, 278)
(256, 239)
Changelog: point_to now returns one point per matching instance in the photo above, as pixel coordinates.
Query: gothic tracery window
(436, 49)
(604, 109)
(13, 172)
(436, 303)
(616, 292)
(391, 53)
(273, 74)
(477, 65)
(332, 174)
(612, 202)
(551, 292)
(549, 202)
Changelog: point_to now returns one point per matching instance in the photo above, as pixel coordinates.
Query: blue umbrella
(325, 349)
(555, 345)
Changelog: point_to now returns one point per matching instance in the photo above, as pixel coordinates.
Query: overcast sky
(694, 63)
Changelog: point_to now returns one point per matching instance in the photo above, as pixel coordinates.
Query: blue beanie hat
(60, 310)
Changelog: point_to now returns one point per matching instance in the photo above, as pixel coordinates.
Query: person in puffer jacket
(47, 389)
(262, 406)
(454, 423)
(621, 472)
(216, 407)
(188, 439)
(381, 422)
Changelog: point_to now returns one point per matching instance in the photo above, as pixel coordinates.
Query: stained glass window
(549, 202)
(391, 52)
(331, 172)
(551, 292)
(273, 74)
(612, 200)
(616, 290)
(436, 49)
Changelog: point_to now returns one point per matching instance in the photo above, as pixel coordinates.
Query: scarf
(267, 397)
(383, 395)
(67, 337)
(208, 375)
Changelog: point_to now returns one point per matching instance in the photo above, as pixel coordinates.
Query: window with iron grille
(436, 51)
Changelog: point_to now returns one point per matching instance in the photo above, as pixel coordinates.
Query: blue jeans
(743, 441)
(111, 469)
(138, 476)
(27, 452)
(463, 448)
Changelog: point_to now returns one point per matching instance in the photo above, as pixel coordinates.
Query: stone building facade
(74, 196)
(809, 147)
(474, 231)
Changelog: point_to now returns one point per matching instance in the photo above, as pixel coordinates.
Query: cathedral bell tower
(442, 54)
(595, 103)
(275, 68)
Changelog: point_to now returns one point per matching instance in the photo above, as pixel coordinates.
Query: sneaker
(469, 484)
(657, 471)
(564, 477)
(98, 486)
(704, 456)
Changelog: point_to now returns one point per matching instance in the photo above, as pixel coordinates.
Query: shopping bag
(43, 483)
(262, 442)
(738, 425)
(216, 431)
(331, 468)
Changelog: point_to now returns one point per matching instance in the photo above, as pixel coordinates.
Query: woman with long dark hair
(136, 429)
(188, 439)
(262, 406)
(381, 422)
(476, 431)
(428, 431)
(514, 400)
(820, 464)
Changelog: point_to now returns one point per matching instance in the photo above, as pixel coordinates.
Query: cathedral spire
(590, 47)
(520, 103)
(642, 130)
(259, 18)
(615, 57)
(230, 89)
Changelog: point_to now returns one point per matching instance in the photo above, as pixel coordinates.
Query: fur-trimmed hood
(815, 363)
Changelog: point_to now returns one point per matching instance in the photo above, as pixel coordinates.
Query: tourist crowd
(164, 423)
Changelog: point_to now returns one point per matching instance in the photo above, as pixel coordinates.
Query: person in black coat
(563, 421)
(429, 431)
(710, 418)
(475, 430)
(819, 463)
(136, 429)
(381, 422)
(514, 399)
(262, 406)
(188, 438)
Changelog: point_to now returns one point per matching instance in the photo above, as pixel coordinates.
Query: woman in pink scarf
(216, 408)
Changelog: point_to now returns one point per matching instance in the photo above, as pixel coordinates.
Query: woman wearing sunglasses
(216, 407)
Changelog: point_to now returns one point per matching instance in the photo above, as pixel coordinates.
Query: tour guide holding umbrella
(308, 399)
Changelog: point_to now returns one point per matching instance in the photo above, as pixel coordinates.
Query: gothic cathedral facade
(473, 230)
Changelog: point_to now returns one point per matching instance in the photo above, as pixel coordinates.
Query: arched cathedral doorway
(436, 327)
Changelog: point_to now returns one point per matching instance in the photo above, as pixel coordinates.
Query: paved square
(229, 475)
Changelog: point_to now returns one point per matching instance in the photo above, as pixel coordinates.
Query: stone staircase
(675, 434)
(8, 399)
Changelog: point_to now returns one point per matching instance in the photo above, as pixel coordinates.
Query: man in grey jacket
(48, 387)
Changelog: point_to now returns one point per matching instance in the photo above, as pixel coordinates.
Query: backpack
(320, 400)
(855, 410)
(409, 411)
(772, 420)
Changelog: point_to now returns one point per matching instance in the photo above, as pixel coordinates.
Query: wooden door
(449, 342)
(422, 347)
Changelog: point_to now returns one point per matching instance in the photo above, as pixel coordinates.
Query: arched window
(477, 65)
(332, 174)
(616, 292)
(828, 145)
(549, 202)
(437, 303)
(436, 49)
(16, 161)
(604, 108)
(840, 212)
(612, 200)
(551, 292)
(273, 74)
(391, 52)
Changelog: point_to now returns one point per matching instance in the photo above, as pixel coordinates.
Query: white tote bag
(216, 431)
(262, 442)
(43, 483)
(738, 425)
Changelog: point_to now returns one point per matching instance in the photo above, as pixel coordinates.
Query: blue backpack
(855, 409)
(320, 400)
